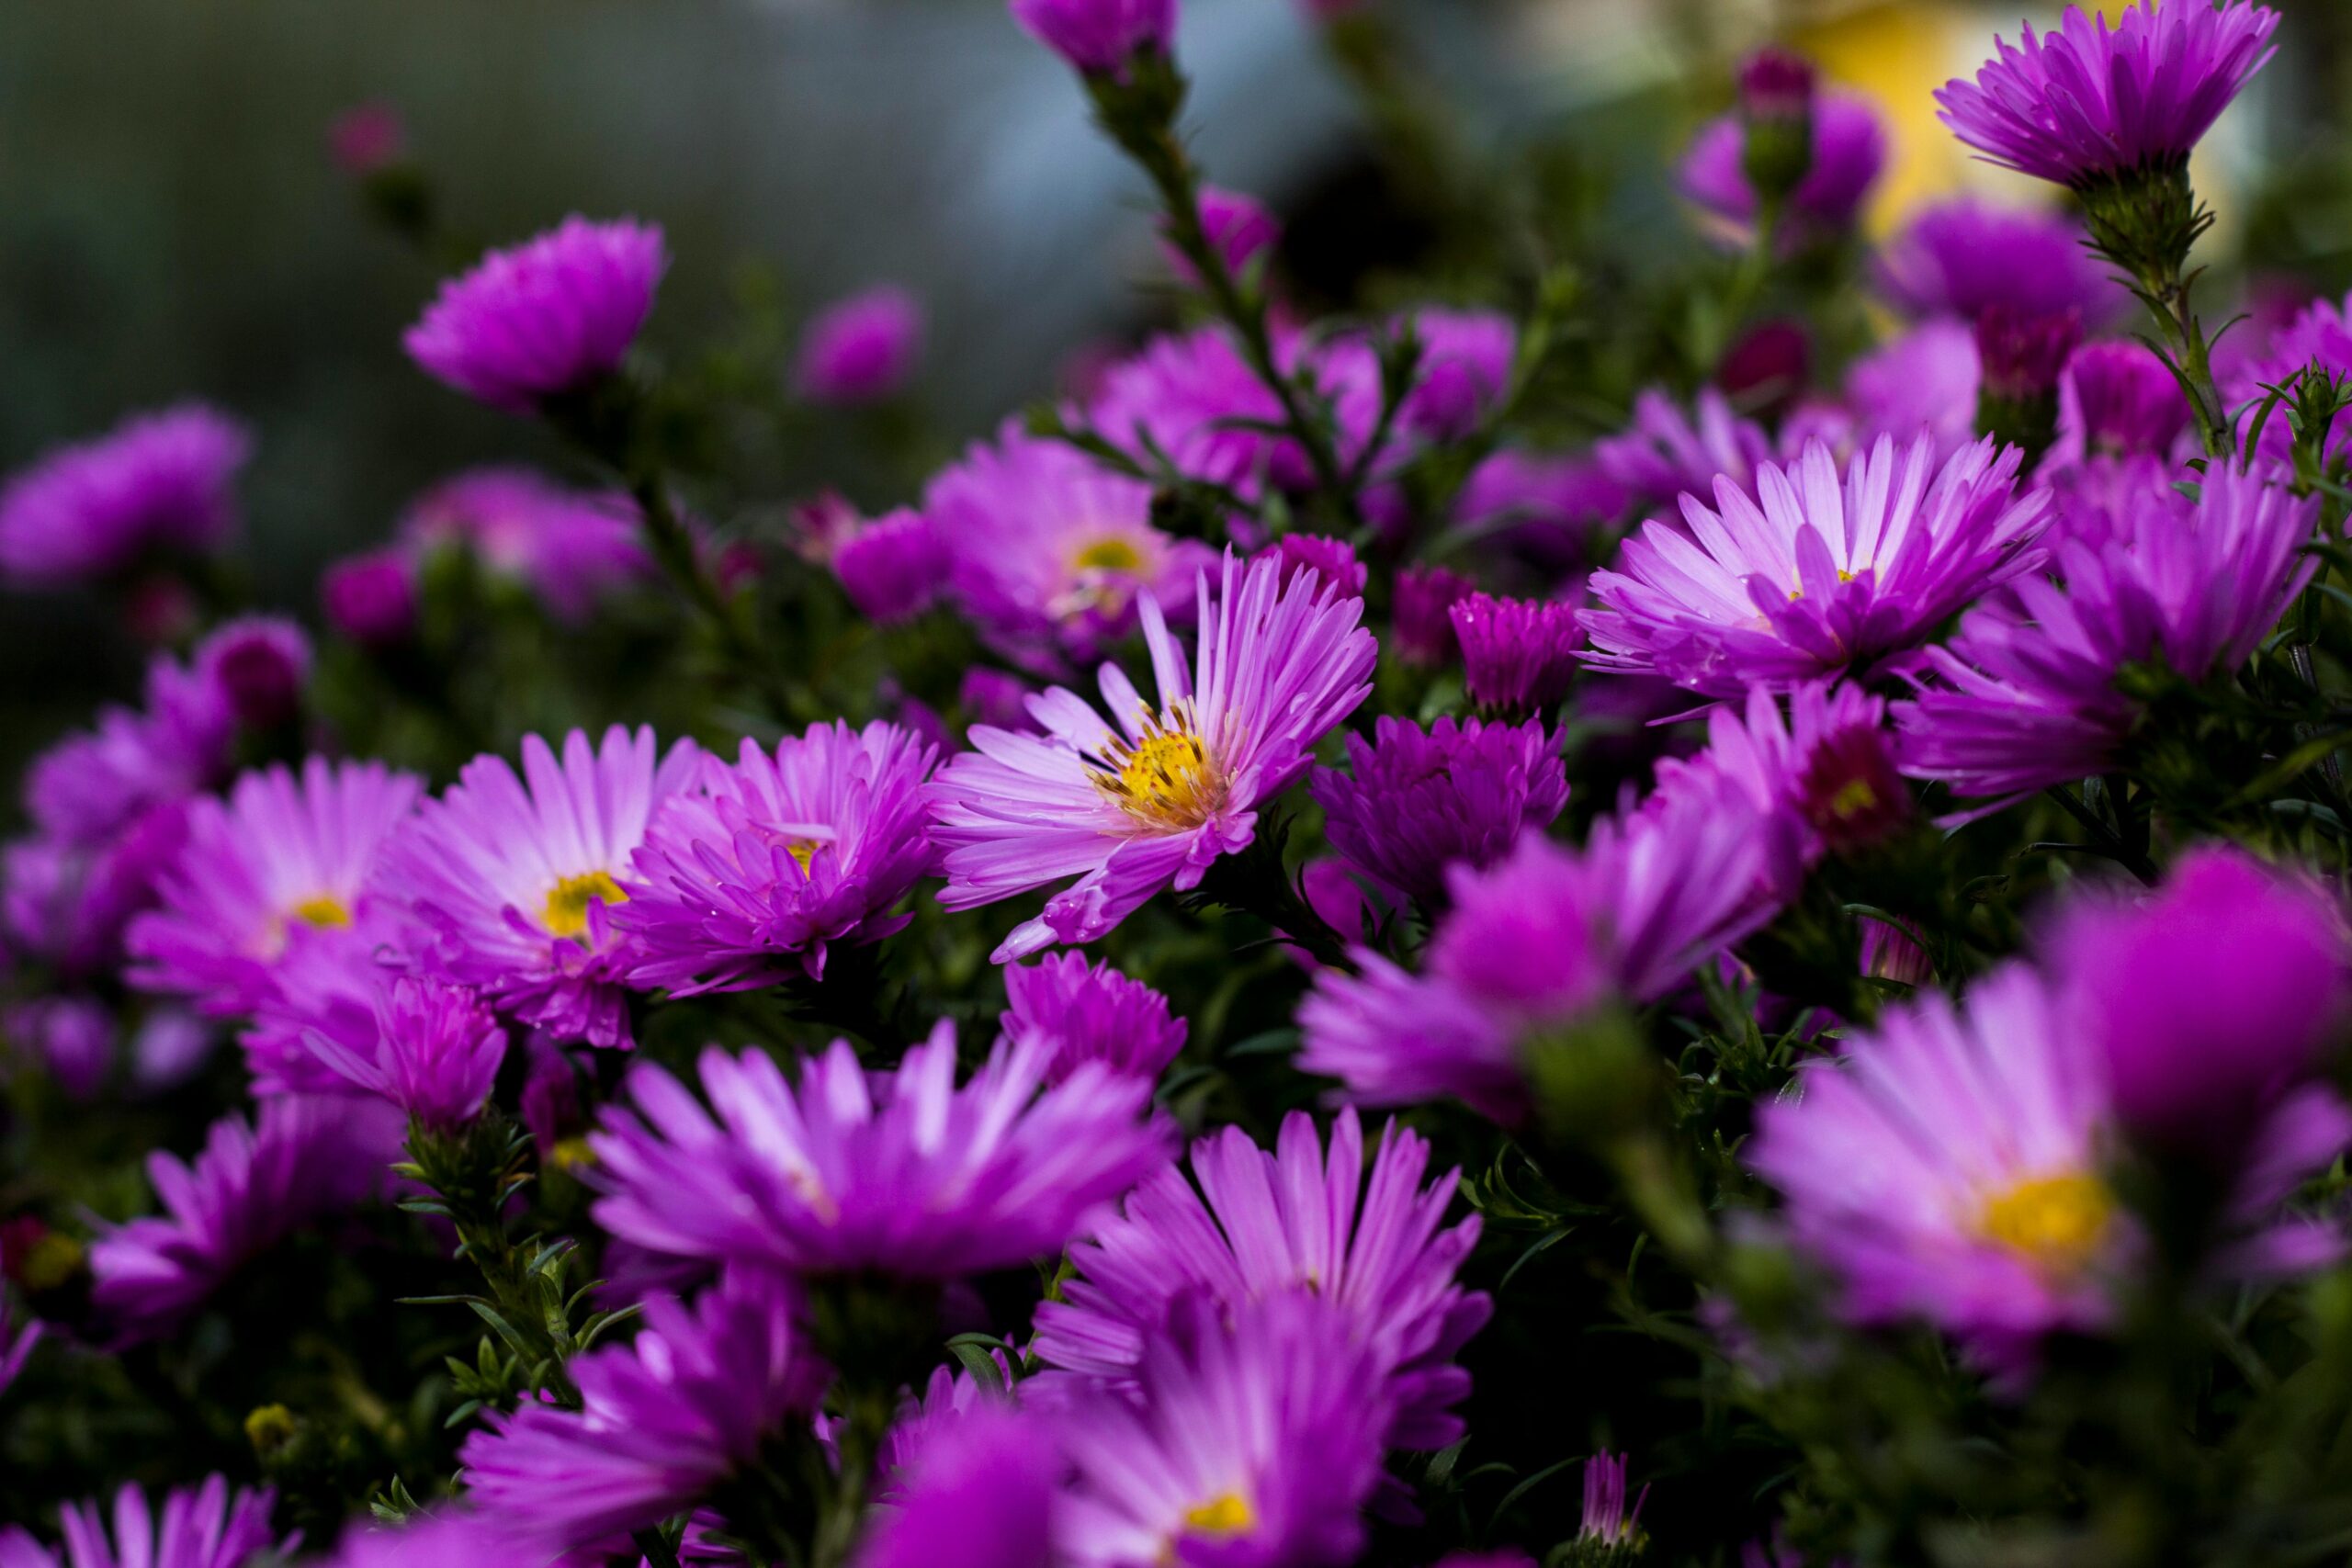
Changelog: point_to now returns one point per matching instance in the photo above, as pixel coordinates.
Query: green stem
(674, 548)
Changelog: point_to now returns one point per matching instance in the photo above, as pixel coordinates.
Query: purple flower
(2118, 399)
(253, 1186)
(372, 598)
(17, 1343)
(1090, 1012)
(1607, 1522)
(1541, 507)
(1155, 801)
(1465, 362)
(513, 878)
(282, 859)
(2022, 354)
(2027, 695)
(1926, 380)
(429, 1048)
(1250, 1443)
(1820, 577)
(1416, 802)
(1049, 553)
(437, 1540)
(260, 663)
(902, 1173)
(548, 317)
(571, 548)
(1099, 36)
(1238, 227)
(72, 1037)
(2210, 1000)
(664, 1420)
(367, 137)
(979, 1495)
(202, 1527)
(89, 787)
(893, 568)
(156, 482)
(1424, 613)
(1666, 452)
(67, 904)
(2091, 102)
(1962, 256)
(861, 349)
(996, 697)
(1518, 655)
(746, 878)
(1290, 1222)
(1329, 563)
(1849, 150)
(2320, 334)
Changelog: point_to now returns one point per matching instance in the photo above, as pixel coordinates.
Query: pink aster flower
(1153, 797)
(156, 482)
(1666, 451)
(570, 548)
(548, 317)
(1519, 656)
(1415, 802)
(1090, 1012)
(1238, 226)
(93, 785)
(202, 1527)
(1607, 1522)
(664, 1420)
(428, 1048)
(1292, 1222)
(744, 879)
(979, 1495)
(72, 1037)
(1541, 508)
(251, 1187)
(513, 878)
(2027, 695)
(1929, 380)
(2118, 401)
(280, 857)
(371, 597)
(893, 568)
(2093, 101)
(903, 1173)
(861, 349)
(260, 665)
(1465, 362)
(1423, 607)
(1962, 256)
(1331, 562)
(1251, 1443)
(1848, 150)
(67, 905)
(1049, 553)
(1099, 36)
(1820, 577)
(2318, 334)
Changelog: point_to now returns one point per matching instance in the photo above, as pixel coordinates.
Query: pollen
(2057, 1222)
(1166, 780)
(323, 910)
(1110, 554)
(1227, 1513)
(567, 901)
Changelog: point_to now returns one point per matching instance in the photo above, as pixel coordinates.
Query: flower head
(1050, 554)
(548, 317)
(1607, 1522)
(1424, 604)
(1099, 36)
(1540, 507)
(1518, 655)
(513, 880)
(1292, 1222)
(2091, 101)
(571, 548)
(979, 1495)
(252, 1185)
(1820, 577)
(1963, 257)
(67, 904)
(894, 566)
(748, 876)
(1238, 227)
(202, 1527)
(371, 597)
(1152, 798)
(2118, 399)
(156, 482)
(1415, 802)
(285, 859)
(1848, 150)
(1929, 380)
(664, 1420)
(1331, 562)
(92, 785)
(1092, 1013)
(72, 1037)
(1666, 451)
(429, 1048)
(1465, 360)
(260, 664)
(902, 1173)
(861, 349)
(2320, 334)
(2027, 695)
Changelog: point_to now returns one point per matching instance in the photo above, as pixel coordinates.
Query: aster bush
(1568, 904)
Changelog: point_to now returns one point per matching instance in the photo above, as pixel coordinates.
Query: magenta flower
(893, 568)
(202, 1527)
(1927, 380)
(252, 1185)
(71, 1037)
(1237, 226)
(1154, 802)
(2091, 102)
(2027, 695)
(440, 1539)
(282, 860)
(1099, 36)
(861, 349)
(549, 317)
(1962, 256)
(67, 905)
(1607, 1521)
(92, 785)
(979, 1495)
(372, 598)
(1330, 563)
(1050, 553)
(1466, 363)
(1290, 1222)
(428, 1048)
(513, 878)
(664, 1420)
(903, 1173)
(156, 482)
(1253, 1442)
(1848, 150)
(260, 664)
(570, 548)
(1519, 656)
(1820, 577)
(746, 878)
(2320, 334)
(1415, 802)
(2118, 399)
(16, 1342)
(1541, 508)
(1667, 452)
(1090, 1012)
(1424, 604)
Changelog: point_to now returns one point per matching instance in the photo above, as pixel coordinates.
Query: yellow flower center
(1228, 1514)
(1166, 780)
(2057, 1222)
(1853, 799)
(49, 1261)
(567, 901)
(802, 851)
(570, 1154)
(1109, 554)
(322, 911)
